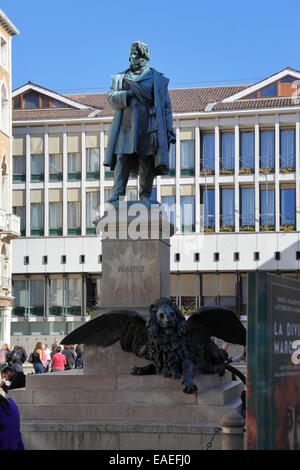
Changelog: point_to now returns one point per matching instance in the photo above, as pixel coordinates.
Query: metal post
(233, 431)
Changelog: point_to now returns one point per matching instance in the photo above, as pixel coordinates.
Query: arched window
(4, 108)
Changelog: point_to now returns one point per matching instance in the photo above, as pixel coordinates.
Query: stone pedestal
(135, 255)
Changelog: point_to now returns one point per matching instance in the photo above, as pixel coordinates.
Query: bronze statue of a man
(141, 131)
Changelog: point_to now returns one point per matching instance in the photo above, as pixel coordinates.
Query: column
(297, 158)
(28, 184)
(83, 176)
(236, 173)
(256, 171)
(101, 180)
(197, 173)
(64, 186)
(46, 184)
(277, 188)
(217, 168)
(6, 325)
(177, 177)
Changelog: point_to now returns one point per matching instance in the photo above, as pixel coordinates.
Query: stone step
(119, 435)
(76, 378)
(216, 396)
(184, 413)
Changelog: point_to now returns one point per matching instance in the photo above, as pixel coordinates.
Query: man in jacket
(16, 379)
(141, 131)
(16, 358)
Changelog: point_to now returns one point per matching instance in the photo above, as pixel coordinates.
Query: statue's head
(139, 55)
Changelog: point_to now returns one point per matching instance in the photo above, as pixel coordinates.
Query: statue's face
(166, 318)
(135, 59)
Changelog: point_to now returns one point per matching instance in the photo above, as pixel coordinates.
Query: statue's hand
(171, 137)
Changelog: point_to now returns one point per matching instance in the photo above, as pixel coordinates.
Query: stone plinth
(135, 255)
(99, 408)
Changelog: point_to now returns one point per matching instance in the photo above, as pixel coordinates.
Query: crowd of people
(43, 360)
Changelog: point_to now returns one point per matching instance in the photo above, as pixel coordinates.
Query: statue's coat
(118, 100)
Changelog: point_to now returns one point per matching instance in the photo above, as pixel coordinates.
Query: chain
(209, 444)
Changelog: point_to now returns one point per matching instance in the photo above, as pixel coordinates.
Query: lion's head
(166, 318)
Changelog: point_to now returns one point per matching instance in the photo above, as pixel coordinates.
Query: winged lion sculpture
(177, 347)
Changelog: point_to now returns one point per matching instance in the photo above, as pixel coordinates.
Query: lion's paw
(190, 388)
(136, 371)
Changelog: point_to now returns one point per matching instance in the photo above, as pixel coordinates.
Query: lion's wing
(220, 322)
(126, 326)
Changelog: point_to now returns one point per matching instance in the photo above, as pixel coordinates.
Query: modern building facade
(9, 223)
(232, 191)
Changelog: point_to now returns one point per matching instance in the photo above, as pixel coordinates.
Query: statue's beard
(138, 65)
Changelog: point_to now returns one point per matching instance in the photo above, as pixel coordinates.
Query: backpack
(16, 356)
(30, 358)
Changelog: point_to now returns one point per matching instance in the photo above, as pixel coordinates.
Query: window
(187, 213)
(73, 294)
(277, 255)
(256, 256)
(267, 151)
(287, 209)
(74, 218)
(31, 100)
(37, 219)
(227, 157)
(92, 210)
(74, 156)
(169, 206)
(55, 218)
(37, 157)
(187, 157)
(55, 157)
(20, 211)
(35, 100)
(20, 295)
(37, 296)
(227, 210)
(19, 159)
(208, 201)
(269, 91)
(56, 295)
(177, 257)
(208, 154)
(247, 218)
(172, 160)
(267, 209)
(92, 163)
(4, 52)
(247, 152)
(287, 150)
(216, 257)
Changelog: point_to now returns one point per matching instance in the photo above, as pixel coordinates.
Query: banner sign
(273, 382)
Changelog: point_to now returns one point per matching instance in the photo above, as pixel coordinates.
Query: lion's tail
(236, 372)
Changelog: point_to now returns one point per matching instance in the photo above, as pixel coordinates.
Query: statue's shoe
(113, 199)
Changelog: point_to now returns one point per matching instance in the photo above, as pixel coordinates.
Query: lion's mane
(167, 351)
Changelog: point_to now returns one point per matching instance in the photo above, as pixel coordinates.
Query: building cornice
(8, 25)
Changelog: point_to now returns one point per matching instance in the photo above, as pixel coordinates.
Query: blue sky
(75, 45)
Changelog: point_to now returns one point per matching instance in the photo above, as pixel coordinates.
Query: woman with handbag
(37, 359)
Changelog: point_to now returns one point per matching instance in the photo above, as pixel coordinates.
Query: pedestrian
(79, 359)
(16, 379)
(48, 356)
(225, 353)
(44, 355)
(3, 353)
(37, 358)
(58, 360)
(70, 356)
(10, 434)
(16, 358)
